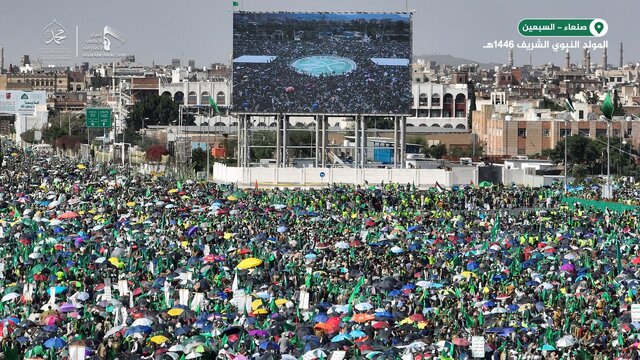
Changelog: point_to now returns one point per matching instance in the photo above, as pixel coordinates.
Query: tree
(590, 154)
(28, 136)
(155, 110)
(199, 160)
(551, 105)
(438, 151)
(617, 105)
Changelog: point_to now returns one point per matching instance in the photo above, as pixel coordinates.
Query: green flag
(607, 106)
(356, 290)
(236, 3)
(212, 102)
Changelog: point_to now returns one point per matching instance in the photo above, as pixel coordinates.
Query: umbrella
(159, 339)
(249, 263)
(68, 215)
(566, 341)
(55, 343)
(10, 296)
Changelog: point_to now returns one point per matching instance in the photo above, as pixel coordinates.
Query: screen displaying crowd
(322, 63)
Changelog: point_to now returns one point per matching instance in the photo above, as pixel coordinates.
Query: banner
(17, 102)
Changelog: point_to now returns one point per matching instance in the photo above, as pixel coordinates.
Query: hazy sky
(201, 29)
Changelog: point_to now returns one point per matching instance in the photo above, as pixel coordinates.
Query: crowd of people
(277, 86)
(100, 262)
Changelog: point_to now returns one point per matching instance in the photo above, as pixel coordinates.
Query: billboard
(17, 102)
(338, 63)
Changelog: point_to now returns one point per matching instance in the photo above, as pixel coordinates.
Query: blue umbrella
(310, 256)
(357, 334)
(498, 278)
(282, 229)
(409, 287)
(55, 343)
(341, 337)
(472, 266)
(321, 317)
(513, 308)
(547, 347)
(59, 289)
(415, 247)
(269, 345)
(395, 293)
(414, 227)
(192, 230)
(183, 330)
(384, 315)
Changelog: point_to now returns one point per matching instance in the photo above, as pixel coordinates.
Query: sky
(159, 30)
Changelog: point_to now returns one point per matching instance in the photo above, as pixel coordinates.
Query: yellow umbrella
(131, 204)
(280, 302)
(81, 167)
(228, 236)
(232, 198)
(175, 312)
(256, 304)
(468, 274)
(249, 263)
(260, 312)
(159, 339)
(173, 191)
(116, 262)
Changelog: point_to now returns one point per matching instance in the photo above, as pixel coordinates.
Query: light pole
(566, 117)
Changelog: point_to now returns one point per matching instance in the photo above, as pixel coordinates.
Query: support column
(247, 148)
(285, 120)
(356, 145)
(317, 143)
(325, 125)
(403, 141)
(240, 145)
(363, 142)
(278, 140)
(395, 142)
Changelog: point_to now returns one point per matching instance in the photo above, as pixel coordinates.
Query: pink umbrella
(289, 89)
(568, 267)
(68, 215)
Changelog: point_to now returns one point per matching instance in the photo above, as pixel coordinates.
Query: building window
(522, 132)
(580, 114)
(435, 100)
(423, 99)
(565, 132)
(619, 79)
(545, 132)
(220, 99)
(521, 151)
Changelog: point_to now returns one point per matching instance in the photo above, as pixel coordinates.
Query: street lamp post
(565, 152)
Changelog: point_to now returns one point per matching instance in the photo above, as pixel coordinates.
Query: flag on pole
(212, 102)
(607, 106)
(568, 104)
(236, 3)
(356, 290)
(439, 188)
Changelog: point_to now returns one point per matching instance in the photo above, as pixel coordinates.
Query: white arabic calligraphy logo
(108, 33)
(54, 33)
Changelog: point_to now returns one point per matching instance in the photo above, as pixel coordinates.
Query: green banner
(98, 117)
(563, 27)
(599, 205)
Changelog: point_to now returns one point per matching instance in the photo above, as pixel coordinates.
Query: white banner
(184, 297)
(477, 346)
(19, 102)
(635, 313)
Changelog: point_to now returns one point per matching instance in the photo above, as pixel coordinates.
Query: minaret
(588, 62)
(567, 62)
(1, 59)
(584, 57)
(604, 58)
(621, 57)
(510, 60)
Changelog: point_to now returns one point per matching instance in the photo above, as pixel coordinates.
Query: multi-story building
(441, 105)
(509, 133)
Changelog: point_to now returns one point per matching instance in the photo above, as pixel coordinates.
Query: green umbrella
(37, 269)
(485, 184)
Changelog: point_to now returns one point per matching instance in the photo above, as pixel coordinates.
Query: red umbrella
(380, 325)
(636, 261)
(68, 215)
(461, 342)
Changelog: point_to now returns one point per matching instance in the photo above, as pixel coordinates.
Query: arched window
(219, 123)
(193, 98)
(423, 100)
(461, 105)
(204, 98)
(178, 97)
(423, 125)
(166, 93)
(410, 125)
(460, 127)
(435, 99)
(448, 126)
(221, 99)
(435, 125)
(460, 99)
(448, 99)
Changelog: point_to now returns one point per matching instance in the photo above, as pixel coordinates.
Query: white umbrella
(315, 354)
(341, 245)
(423, 283)
(113, 330)
(46, 307)
(364, 306)
(10, 296)
(566, 341)
(177, 348)
(35, 256)
(499, 310)
(193, 355)
(142, 322)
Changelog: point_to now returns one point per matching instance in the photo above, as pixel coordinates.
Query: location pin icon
(599, 27)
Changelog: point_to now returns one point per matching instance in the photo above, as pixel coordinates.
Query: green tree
(28, 136)
(437, 151)
(551, 105)
(155, 110)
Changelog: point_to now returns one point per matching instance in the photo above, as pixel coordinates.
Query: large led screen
(330, 63)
